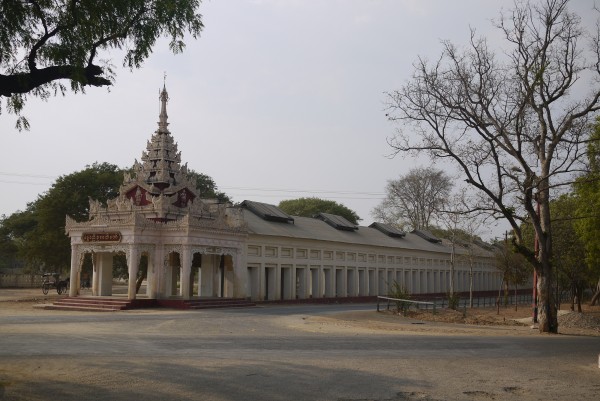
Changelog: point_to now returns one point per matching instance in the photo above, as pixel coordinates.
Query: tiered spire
(162, 123)
(160, 174)
(160, 188)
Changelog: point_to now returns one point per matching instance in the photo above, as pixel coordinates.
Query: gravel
(577, 320)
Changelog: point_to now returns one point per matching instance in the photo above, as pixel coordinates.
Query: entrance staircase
(97, 304)
(206, 303)
(111, 304)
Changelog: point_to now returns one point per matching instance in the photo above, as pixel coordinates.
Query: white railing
(403, 301)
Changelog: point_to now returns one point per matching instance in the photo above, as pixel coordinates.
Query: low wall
(20, 281)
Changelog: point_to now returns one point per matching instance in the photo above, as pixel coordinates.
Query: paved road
(267, 354)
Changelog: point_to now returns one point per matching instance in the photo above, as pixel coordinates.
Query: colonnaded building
(198, 247)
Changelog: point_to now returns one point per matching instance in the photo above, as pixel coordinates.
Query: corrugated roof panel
(307, 228)
(337, 222)
(267, 212)
(388, 230)
(427, 235)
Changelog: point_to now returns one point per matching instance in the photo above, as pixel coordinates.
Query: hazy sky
(277, 99)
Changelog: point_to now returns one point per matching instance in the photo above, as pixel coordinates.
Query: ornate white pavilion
(202, 248)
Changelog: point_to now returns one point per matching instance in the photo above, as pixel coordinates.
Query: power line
(335, 194)
(341, 192)
(241, 195)
(27, 175)
(24, 183)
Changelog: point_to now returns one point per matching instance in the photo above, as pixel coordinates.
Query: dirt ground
(569, 322)
(166, 354)
(476, 321)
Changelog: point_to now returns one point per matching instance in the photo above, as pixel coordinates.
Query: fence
(482, 302)
(478, 302)
(20, 281)
(405, 303)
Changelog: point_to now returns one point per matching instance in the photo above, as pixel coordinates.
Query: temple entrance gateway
(184, 246)
(189, 246)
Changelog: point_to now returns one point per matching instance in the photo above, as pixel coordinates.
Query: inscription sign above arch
(101, 237)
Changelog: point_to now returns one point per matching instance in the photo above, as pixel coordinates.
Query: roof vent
(388, 230)
(267, 212)
(337, 222)
(426, 235)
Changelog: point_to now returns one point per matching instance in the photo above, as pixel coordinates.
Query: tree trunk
(579, 295)
(547, 316)
(452, 259)
(596, 294)
(471, 285)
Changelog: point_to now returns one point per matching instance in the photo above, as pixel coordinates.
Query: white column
(95, 274)
(186, 270)
(150, 276)
(240, 276)
(158, 270)
(74, 290)
(132, 267)
(207, 275)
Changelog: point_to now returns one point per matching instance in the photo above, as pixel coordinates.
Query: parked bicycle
(52, 280)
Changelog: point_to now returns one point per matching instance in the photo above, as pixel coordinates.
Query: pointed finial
(164, 98)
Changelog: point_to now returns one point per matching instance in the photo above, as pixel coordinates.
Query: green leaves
(309, 207)
(37, 235)
(207, 188)
(44, 41)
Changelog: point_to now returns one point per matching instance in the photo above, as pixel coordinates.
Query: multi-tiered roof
(160, 188)
(160, 180)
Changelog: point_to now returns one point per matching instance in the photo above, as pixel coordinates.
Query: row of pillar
(157, 286)
(276, 282)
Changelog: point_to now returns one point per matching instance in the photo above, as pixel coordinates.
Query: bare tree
(514, 267)
(414, 199)
(509, 121)
(460, 225)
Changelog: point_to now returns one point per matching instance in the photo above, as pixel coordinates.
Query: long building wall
(280, 268)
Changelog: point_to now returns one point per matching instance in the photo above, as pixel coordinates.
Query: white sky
(277, 99)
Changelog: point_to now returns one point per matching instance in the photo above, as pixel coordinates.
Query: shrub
(399, 292)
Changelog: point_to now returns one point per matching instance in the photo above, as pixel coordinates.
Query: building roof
(388, 230)
(318, 230)
(427, 235)
(267, 212)
(337, 222)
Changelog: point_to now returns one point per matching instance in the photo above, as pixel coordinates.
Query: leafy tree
(37, 235)
(13, 228)
(310, 207)
(515, 268)
(510, 123)
(569, 255)
(39, 231)
(415, 199)
(207, 188)
(43, 42)
(587, 190)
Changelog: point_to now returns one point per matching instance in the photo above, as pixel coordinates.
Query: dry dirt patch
(477, 321)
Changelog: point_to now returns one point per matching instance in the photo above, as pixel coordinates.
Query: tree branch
(25, 82)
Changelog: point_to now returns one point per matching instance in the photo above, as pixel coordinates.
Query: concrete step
(112, 304)
(79, 308)
(223, 305)
(205, 303)
(92, 301)
(92, 304)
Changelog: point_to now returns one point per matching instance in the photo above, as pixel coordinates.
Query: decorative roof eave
(107, 221)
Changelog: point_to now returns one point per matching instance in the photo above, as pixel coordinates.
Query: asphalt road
(278, 353)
